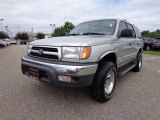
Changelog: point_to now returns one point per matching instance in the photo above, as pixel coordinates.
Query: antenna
(65, 16)
(18, 28)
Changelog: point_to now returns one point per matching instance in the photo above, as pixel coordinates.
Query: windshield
(97, 27)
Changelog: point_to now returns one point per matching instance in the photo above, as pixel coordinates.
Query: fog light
(64, 78)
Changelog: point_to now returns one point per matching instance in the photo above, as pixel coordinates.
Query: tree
(68, 26)
(59, 31)
(158, 30)
(3, 35)
(40, 35)
(63, 30)
(154, 34)
(22, 36)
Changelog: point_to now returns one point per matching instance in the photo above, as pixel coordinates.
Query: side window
(130, 27)
(122, 26)
(138, 32)
(150, 40)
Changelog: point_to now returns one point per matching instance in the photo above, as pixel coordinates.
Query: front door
(124, 48)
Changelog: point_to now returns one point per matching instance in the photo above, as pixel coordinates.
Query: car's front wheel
(104, 82)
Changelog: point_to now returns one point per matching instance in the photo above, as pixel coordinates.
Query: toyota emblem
(40, 51)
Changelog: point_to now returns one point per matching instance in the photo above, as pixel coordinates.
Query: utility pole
(7, 29)
(11, 35)
(1, 24)
(53, 26)
(32, 34)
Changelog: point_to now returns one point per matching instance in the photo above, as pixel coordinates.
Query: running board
(125, 69)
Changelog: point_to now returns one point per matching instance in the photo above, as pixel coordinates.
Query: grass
(152, 52)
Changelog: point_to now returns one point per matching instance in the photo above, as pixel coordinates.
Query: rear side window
(129, 26)
(150, 40)
(138, 32)
(122, 26)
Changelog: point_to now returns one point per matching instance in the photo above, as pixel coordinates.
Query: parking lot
(136, 97)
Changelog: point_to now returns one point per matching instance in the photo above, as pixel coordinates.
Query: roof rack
(125, 20)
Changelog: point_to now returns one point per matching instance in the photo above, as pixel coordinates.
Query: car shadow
(61, 95)
(43, 90)
(2, 47)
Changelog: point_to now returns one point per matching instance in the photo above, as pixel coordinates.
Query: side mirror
(126, 33)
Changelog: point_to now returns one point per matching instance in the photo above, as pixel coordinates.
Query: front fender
(104, 54)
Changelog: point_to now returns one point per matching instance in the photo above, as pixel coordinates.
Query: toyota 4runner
(93, 55)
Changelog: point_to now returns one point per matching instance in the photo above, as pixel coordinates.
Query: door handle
(137, 43)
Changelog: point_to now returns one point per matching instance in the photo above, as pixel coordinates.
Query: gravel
(136, 97)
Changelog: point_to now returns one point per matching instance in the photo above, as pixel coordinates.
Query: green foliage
(154, 34)
(63, 30)
(3, 35)
(151, 52)
(68, 27)
(40, 35)
(59, 31)
(22, 36)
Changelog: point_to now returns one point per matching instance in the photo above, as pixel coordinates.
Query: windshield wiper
(87, 33)
(74, 34)
(92, 33)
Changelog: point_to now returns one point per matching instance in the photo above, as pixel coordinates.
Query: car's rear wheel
(138, 66)
(104, 82)
(148, 48)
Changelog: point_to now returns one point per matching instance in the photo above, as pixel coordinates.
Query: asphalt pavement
(136, 97)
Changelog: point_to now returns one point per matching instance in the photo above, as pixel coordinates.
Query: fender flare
(104, 54)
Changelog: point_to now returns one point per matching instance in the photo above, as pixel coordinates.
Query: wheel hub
(109, 82)
(140, 63)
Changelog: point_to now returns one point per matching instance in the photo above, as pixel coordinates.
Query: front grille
(44, 56)
(45, 52)
(45, 49)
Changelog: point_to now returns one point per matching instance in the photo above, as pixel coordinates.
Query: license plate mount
(33, 73)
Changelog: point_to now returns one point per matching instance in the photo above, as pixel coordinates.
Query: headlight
(76, 52)
(29, 49)
(71, 52)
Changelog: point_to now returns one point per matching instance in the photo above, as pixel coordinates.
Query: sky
(23, 15)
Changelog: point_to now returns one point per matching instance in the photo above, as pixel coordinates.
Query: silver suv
(93, 55)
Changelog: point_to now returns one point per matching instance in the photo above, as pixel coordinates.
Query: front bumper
(82, 74)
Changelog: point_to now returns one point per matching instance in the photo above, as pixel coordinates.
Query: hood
(73, 40)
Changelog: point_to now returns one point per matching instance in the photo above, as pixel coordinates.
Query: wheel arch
(109, 56)
(140, 50)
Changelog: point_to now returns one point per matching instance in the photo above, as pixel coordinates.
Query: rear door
(134, 41)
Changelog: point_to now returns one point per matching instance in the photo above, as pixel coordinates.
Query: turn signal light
(85, 52)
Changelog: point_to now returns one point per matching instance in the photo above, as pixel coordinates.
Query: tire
(105, 74)
(138, 62)
(148, 48)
